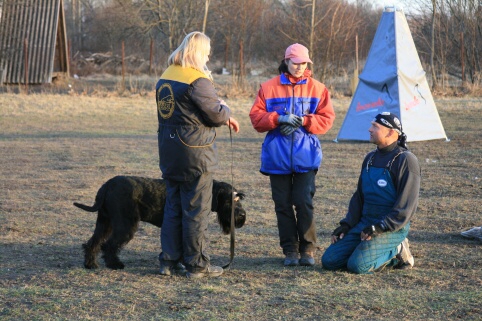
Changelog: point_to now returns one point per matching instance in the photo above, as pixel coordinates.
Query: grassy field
(57, 149)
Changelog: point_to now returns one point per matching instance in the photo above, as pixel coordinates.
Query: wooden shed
(33, 41)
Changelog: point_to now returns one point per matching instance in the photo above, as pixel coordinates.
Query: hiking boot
(291, 259)
(307, 259)
(473, 233)
(211, 271)
(168, 270)
(405, 258)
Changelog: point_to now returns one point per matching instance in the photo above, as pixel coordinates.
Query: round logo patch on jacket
(382, 183)
(165, 101)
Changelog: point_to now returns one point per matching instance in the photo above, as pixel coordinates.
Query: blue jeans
(363, 257)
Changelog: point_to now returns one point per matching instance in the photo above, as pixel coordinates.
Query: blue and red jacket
(301, 151)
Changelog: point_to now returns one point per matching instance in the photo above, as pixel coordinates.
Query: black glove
(342, 229)
(290, 119)
(373, 230)
(287, 129)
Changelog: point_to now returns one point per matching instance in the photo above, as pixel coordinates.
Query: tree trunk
(206, 11)
(312, 31)
(432, 46)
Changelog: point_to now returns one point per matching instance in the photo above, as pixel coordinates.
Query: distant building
(33, 41)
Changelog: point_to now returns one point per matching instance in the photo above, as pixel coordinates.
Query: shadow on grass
(25, 260)
(453, 238)
(80, 135)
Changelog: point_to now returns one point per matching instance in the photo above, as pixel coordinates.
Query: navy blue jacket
(188, 111)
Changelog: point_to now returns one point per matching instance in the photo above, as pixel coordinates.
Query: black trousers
(184, 229)
(293, 199)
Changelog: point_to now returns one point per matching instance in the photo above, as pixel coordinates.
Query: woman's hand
(233, 124)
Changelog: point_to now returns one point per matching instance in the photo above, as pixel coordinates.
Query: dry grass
(57, 149)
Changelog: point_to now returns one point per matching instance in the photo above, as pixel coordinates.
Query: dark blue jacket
(188, 111)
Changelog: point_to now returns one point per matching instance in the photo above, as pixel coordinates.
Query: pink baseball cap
(297, 53)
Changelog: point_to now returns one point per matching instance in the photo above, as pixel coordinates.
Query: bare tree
(449, 19)
(297, 28)
(330, 33)
(236, 26)
(172, 19)
(206, 11)
(432, 45)
(447, 33)
(75, 20)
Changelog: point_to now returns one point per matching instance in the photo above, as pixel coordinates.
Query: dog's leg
(92, 247)
(123, 231)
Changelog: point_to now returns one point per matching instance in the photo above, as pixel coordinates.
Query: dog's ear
(239, 196)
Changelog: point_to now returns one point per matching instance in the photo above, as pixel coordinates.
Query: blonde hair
(192, 52)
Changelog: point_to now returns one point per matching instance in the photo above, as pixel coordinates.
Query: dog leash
(231, 247)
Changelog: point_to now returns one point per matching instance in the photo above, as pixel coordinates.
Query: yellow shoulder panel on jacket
(180, 74)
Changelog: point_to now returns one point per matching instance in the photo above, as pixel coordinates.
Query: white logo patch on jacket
(382, 183)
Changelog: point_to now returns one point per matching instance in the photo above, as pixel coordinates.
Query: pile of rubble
(108, 63)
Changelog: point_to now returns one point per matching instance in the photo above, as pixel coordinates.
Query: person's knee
(357, 266)
(330, 262)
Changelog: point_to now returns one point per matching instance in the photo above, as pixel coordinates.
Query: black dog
(123, 201)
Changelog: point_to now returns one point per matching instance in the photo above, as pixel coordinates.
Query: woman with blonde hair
(193, 53)
(188, 111)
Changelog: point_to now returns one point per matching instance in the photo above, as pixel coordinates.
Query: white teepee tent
(393, 80)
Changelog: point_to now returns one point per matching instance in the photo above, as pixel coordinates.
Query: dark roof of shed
(32, 41)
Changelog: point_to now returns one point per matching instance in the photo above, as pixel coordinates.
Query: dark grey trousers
(184, 229)
(293, 198)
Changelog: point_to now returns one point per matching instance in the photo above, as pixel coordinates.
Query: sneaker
(291, 259)
(307, 259)
(405, 258)
(211, 271)
(473, 233)
(168, 270)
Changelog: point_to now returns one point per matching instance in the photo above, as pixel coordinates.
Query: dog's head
(223, 196)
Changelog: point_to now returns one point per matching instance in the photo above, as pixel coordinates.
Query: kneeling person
(373, 234)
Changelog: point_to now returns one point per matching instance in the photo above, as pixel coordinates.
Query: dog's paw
(91, 266)
(116, 266)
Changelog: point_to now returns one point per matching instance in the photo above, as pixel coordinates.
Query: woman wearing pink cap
(293, 108)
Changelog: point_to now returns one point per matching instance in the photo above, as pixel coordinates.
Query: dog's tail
(93, 208)
(99, 200)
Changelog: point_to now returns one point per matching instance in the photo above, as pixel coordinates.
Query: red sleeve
(262, 120)
(322, 120)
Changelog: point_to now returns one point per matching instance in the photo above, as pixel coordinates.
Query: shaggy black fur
(123, 201)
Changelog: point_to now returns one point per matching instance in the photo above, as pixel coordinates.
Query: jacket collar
(288, 79)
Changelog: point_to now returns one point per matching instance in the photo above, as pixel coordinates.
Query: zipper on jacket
(293, 133)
